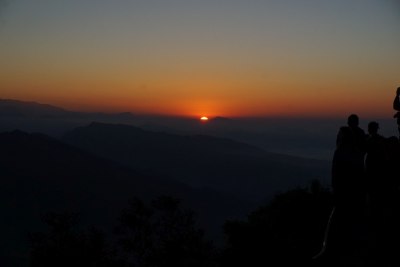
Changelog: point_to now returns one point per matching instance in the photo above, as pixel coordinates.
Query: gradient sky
(193, 58)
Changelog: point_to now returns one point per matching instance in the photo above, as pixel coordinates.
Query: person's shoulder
(344, 129)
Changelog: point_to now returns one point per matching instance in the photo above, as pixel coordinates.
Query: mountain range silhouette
(198, 160)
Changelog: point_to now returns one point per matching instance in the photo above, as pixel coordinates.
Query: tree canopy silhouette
(288, 230)
(162, 234)
(64, 244)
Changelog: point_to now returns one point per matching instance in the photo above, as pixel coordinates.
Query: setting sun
(204, 118)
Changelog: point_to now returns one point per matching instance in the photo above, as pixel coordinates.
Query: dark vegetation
(156, 234)
(289, 230)
(286, 232)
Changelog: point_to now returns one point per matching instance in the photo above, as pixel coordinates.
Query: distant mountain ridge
(10, 107)
(301, 137)
(198, 160)
(17, 108)
(33, 117)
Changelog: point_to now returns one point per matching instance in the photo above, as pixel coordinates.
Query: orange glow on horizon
(196, 109)
(268, 103)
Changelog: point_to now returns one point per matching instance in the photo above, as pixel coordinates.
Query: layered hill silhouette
(39, 174)
(202, 161)
(31, 116)
(286, 136)
(17, 108)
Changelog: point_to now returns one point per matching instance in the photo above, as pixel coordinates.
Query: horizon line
(195, 117)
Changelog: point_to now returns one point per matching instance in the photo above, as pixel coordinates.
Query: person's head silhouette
(352, 121)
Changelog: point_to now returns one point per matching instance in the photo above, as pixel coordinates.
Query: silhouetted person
(392, 150)
(385, 218)
(381, 164)
(348, 163)
(357, 137)
(375, 164)
(396, 106)
(348, 183)
(392, 181)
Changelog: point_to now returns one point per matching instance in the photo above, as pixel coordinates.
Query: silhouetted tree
(64, 245)
(289, 230)
(162, 234)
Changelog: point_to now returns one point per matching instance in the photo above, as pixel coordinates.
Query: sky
(228, 58)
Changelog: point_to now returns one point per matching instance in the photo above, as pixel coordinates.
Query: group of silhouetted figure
(364, 227)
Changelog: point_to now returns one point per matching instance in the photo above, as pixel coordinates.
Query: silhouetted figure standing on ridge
(348, 163)
(383, 197)
(376, 170)
(375, 165)
(396, 106)
(349, 191)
